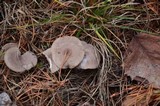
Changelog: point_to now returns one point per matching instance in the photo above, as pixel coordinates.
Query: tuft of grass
(103, 39)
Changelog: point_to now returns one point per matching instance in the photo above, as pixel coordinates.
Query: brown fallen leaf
(143, 58)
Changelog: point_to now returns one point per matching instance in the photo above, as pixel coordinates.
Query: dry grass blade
(36, 88)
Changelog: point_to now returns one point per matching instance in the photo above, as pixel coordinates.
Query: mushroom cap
(29, 60)
(5, 48)
(8, 46)
(48, 55)
(91, 59)
(17, 62)
(67, 52)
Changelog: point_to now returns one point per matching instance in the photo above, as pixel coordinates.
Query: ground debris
(5, 99)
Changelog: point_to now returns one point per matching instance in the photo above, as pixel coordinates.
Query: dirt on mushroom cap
(67, 52)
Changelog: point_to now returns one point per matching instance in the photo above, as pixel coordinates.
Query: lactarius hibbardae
(67, 52)
(70, 52)
(17, 62)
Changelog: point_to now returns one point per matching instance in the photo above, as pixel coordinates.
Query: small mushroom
(48, 55)
(17, 62)
(67, 52)
(91, 58)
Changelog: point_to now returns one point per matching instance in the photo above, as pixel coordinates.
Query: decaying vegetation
(109, 25)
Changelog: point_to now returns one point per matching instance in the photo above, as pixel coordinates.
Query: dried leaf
(143, 59)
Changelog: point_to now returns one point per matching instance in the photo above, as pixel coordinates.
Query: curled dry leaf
(143, 59)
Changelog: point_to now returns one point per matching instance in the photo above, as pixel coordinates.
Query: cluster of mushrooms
(65, 52)
(70, 52)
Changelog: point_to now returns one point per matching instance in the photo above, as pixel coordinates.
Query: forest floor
(109, 25)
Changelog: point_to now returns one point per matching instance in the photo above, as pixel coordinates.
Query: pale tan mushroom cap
(67, 52)
(29, 60)
(5, 48)
(48, 55)
(91, 59)
(8, 46)
(17, 62)
(12, 60)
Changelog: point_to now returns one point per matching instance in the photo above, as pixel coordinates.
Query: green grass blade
(103, 39)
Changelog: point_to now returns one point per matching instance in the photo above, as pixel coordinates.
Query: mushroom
(48, 55)
(91, 58)
(17, 62)
(67, 52)
(70, 52)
